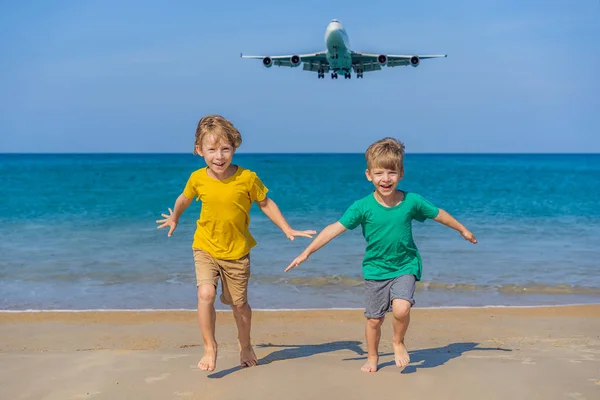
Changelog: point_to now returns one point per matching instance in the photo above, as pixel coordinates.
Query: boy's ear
(401, 175)
(199, 151)
(368, 175)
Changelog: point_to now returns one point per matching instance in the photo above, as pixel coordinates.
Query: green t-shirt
(390, 251)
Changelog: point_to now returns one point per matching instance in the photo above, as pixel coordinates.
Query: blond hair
(386, 153)
(220, 128)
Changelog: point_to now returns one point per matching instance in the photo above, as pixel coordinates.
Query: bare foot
(247, 356)
(370, 365)
(401, 355)
(208, 361)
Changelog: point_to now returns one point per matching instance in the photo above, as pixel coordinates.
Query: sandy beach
(471, 353)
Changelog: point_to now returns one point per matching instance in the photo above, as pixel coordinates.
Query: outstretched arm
(446, 219)
(269, 207)
(326, 235)
(172, 219)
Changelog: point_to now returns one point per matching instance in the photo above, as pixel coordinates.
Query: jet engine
(295, 60)
(382, 59)
(414, 61)
(267, 62)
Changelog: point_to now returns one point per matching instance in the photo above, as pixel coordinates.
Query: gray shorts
(380, 294)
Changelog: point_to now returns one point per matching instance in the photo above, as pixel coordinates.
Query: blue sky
(106, 76)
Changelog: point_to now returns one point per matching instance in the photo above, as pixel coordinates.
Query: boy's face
(385, 180)
(217, 153)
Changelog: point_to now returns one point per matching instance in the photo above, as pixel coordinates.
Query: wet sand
(479, 353)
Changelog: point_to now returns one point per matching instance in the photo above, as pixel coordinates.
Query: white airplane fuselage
(338, 47)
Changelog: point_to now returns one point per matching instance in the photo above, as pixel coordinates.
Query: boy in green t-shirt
(392, 264)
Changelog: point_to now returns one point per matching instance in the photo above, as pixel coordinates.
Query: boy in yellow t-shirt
(222, 241)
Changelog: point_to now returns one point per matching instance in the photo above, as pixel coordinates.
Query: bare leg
(373, 334)
(401, 311)
(243, 319)
(206, 319)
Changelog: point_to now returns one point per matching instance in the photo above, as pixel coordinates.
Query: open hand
(297, 261)
(293, 233)
(168, 221)
(468, 236)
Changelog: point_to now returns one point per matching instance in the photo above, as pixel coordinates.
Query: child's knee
(239, 307)
(375, 323)
(401, 308)
(207, 293)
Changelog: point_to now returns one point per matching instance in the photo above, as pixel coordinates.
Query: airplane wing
(373, 62)
(311, 61)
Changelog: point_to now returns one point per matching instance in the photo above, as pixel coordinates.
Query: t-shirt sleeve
(353, 216)
(258, 191)
(423, 209)
(190, 190)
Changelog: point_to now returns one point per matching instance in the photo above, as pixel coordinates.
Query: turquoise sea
(78, 231)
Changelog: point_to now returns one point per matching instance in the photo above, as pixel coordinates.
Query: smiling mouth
(218, 164)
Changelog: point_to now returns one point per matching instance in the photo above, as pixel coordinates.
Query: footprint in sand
(575, 396)
(496, 341)
(167, 358)
(506, 357)
(85, 395)
(157, 378)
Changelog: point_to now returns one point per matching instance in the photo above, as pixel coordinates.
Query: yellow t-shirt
(222, 229)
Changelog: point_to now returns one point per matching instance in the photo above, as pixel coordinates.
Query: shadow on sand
(434, 357)
(425, 358)
(290, 352)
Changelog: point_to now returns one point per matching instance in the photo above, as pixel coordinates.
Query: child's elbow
(184, 199)
(441, 215)
(263, 203)
(337, 228)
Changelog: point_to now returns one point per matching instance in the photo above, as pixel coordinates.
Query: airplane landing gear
(321, 74)
(347, 75)
(334, 75)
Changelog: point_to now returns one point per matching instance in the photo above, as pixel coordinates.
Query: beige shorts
(234, 275)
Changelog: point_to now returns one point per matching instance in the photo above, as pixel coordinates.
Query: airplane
(339, 58)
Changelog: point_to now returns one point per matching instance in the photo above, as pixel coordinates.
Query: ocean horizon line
(300, 153)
